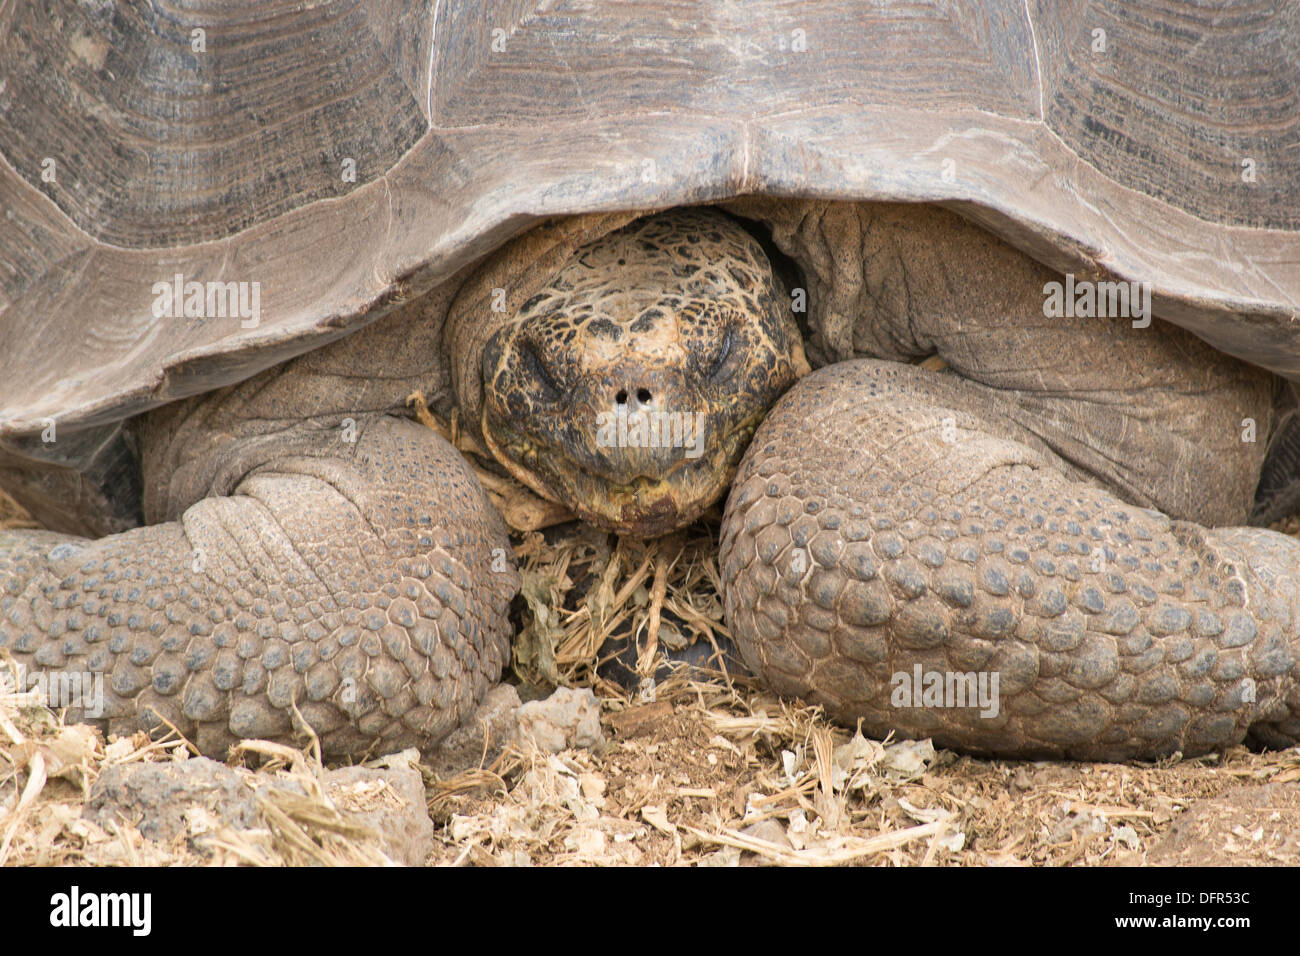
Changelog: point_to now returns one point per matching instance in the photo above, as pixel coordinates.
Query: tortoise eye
(537, 368)
(719, 365)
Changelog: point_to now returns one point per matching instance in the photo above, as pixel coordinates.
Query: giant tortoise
(237, 235)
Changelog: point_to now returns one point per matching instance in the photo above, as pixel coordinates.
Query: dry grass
(692, 773)
(717, 775)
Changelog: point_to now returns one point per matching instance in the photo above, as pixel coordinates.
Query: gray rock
(568, 718)
(153, 797)
(769, 831)
(397, 811)
(489, 730)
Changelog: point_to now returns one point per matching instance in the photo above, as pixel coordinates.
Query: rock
(769, 831)
(389, 800)
(568, 718)
(154, 797)
(481, 738)
(727, 856)
(905, 760)
(186, 798)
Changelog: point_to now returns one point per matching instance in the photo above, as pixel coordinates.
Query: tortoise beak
(643, 506)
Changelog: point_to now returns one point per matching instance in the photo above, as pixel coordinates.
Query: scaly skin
(1115, 632)
(984, 518)
(353, 580)
(678, 313)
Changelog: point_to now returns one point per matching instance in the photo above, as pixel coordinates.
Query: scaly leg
(877, 529)
(365, 583)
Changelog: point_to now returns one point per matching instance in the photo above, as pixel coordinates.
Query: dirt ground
(713, 773)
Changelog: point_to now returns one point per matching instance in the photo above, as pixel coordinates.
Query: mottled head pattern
(629, 386)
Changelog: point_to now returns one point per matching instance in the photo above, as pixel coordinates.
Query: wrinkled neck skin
(627, 364)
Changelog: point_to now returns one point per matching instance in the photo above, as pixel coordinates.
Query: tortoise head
(628, 387)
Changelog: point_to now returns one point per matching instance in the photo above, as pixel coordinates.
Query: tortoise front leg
(876, 530)
(365, 583)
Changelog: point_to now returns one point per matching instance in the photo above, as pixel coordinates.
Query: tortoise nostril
(643, 396)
